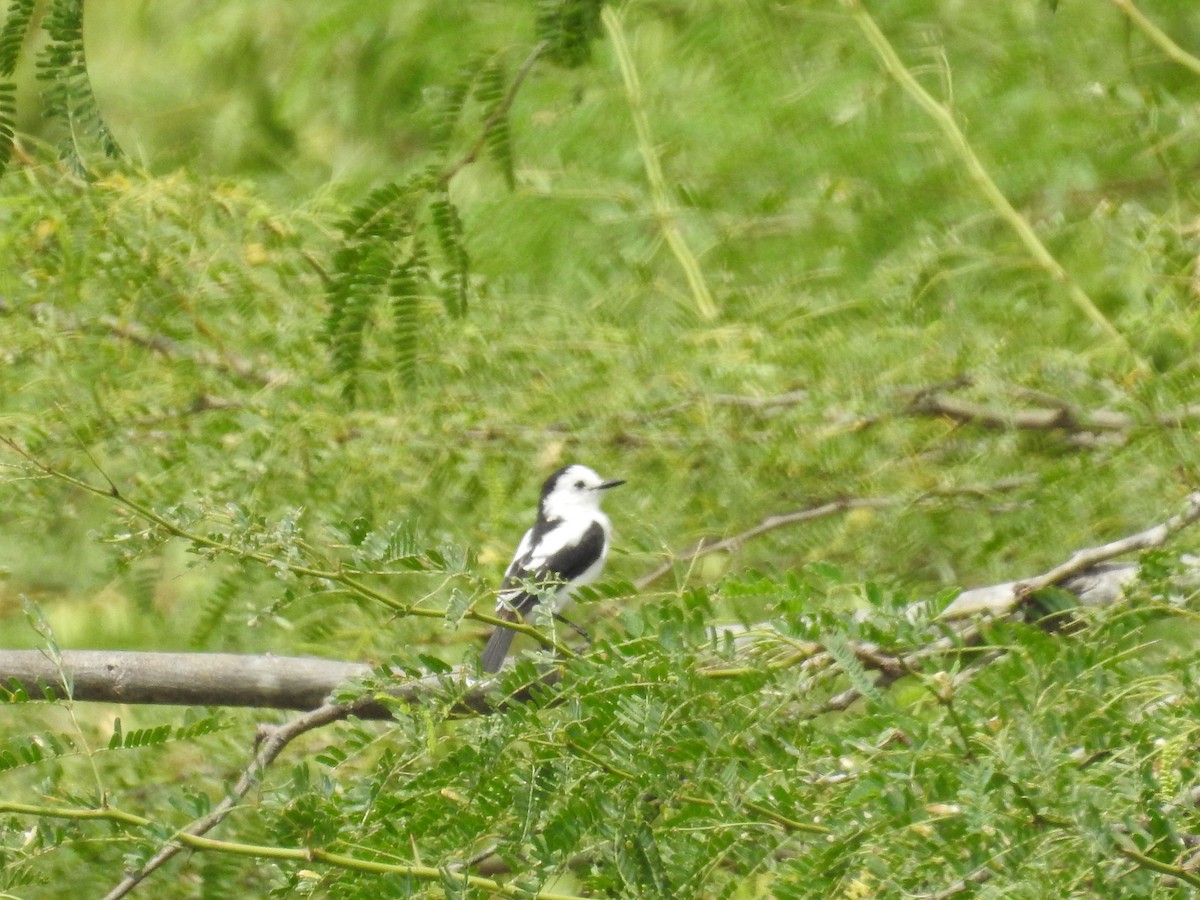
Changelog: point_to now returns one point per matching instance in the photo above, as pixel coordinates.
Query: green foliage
(489, 92)
(447, 224)
(29, 751)
(8, 115)
(69, 97)
(382, 256)
(13, 34)
(569, 28)
(12, 39)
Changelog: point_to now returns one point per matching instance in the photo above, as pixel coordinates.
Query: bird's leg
(577, 629)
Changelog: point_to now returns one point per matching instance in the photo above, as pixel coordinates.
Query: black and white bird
(565, 548)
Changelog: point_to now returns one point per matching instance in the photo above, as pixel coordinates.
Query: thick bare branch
(181, 679)
(216, 679)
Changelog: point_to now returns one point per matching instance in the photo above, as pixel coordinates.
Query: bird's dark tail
(492, 657)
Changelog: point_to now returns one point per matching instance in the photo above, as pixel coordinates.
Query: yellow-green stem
(979, 174)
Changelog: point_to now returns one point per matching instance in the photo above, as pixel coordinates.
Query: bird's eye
(579, 485)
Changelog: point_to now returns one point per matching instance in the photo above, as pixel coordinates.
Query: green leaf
(839, 648)
(449, 229)
(14, 34)
(568, 27)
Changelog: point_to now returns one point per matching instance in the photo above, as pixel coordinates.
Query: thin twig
(979, 175)
(136, 333)
(771, 401)
(770, 523)
(348, 579)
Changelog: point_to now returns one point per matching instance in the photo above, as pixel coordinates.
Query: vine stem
(983, 181)
(664, 210)
(1158, 37)
(267, 851)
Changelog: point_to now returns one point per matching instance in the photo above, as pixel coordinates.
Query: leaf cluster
(62, 66)
(382, 256)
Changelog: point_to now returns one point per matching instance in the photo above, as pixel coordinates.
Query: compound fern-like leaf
(62, 66)
(408, 283)
(12, 36)
(498, 137)
(8, 126)
(449, 229)
(568, 28)
(455, 98)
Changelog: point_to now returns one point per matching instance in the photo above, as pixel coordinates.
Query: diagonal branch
(664, 211)
(136, 333)
(1082, 560)
(944, 119)
(1158, 37)
(1088, 574)
(269, 742)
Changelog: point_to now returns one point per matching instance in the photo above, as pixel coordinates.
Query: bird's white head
(573, 490)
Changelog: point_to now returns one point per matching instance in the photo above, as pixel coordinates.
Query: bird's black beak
(616, 482)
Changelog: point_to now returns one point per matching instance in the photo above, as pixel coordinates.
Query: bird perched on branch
(565, 548)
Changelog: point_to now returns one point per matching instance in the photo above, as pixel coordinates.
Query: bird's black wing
(561, 567)
(530, 568)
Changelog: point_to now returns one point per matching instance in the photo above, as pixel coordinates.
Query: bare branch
(1082, 560)
(770, 401)
(224, 679)
(182, 679)
(770, 523)
(1041, 419)
(1088, 574)
(1085, 573)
